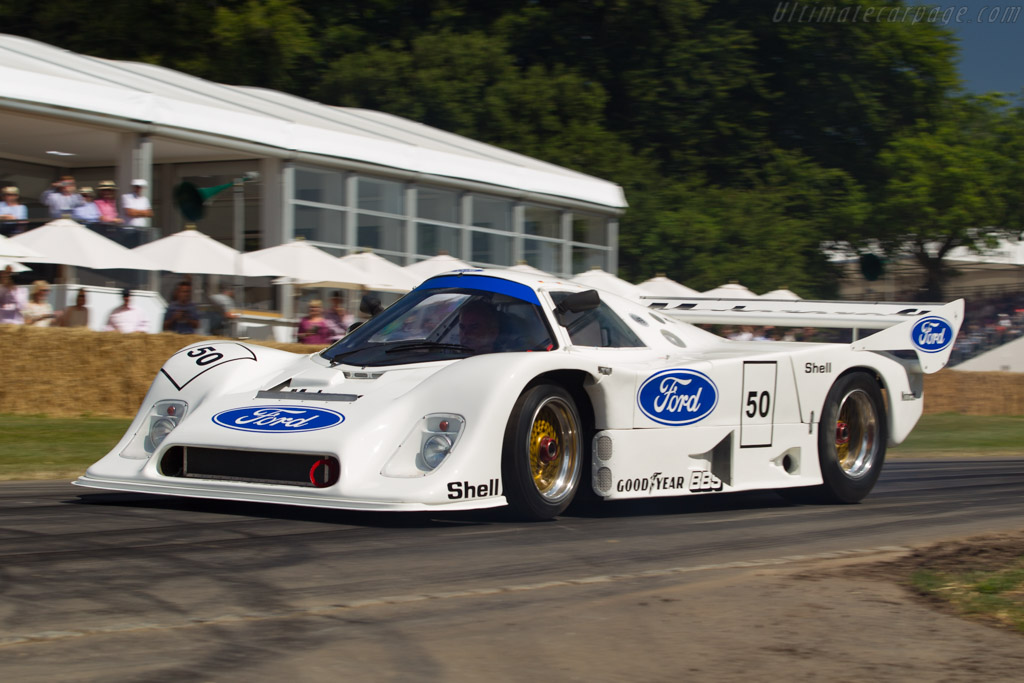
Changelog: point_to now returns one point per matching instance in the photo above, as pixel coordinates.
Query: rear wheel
(542, 455)
(852, 438)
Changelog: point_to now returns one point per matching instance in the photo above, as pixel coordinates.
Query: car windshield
(443, 323)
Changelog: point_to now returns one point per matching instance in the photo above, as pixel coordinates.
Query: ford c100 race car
(485, 388)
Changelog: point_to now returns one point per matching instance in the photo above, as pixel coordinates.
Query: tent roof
(146, 98)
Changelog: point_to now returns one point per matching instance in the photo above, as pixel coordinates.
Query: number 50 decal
(185, 366)
(758, 410)
(758, 404)
(205, 355)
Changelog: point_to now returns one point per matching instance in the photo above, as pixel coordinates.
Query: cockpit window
(443, 323)
(598, 327)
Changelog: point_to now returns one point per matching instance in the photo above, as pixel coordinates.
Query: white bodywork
(759, 432)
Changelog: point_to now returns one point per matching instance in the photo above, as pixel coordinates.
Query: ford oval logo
(278, 419)
(932, 335)
(678, 397)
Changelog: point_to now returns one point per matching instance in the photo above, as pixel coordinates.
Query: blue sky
(991, 52)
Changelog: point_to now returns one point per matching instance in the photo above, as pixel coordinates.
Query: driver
(478, 326)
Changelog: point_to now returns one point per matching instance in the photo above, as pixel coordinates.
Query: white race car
(484, 388)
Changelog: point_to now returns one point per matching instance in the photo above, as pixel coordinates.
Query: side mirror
(577, 303)
(580, 302)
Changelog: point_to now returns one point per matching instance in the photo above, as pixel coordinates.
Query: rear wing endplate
(927, 329)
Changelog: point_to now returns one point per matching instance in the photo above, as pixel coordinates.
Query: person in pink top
(126, 319)
(107, 203)
(314, 329)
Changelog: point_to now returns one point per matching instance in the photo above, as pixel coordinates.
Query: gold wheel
(554, 449)
(856, 433)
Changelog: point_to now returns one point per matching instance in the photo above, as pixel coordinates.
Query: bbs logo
(702, 481)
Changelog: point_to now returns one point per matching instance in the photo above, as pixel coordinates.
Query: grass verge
(958, 435)
(40, 447)
(990, 594)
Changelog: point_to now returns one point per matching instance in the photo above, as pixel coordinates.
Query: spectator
(126, 319)
(60, 199)
(10, 307)
(182, 316)
(138, 211)
(38, 312)
(223, 314)
(88, 213)
(746, 333)
(338, 318)
(313, 329)
(13, 214)
(77, 315)
(107, 203)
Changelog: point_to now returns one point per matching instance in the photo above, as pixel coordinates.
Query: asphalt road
(107, 586)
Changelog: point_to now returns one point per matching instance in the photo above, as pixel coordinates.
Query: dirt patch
(986, 553)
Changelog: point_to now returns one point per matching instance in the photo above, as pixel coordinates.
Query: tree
(948, 184)
(267, 43)
(766, 235)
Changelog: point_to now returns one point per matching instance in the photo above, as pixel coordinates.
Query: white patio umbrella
(15, 251)
(733, 290)
(524, 267)
(191, 251)
(307, 266)
(435, 265)
(65, 241)
(1006, 252)
(599, 279)
(663, 286)
(781, 294)
(15, 266)
(383, 275)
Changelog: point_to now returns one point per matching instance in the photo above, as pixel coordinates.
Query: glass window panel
(385, 196)
(584, 259)
(432, 240)
(542, 221)
(438, 205)
(492, 213)
(544, 255)
(381, 233)
(492, 249)
(597, 327)
(589, 229)
(325, 187)
(320, 225)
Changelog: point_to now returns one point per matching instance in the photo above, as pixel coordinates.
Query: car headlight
(163, 418)
(429, 443)
(435, 450)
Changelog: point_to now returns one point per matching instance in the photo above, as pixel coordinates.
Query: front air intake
(260, 467)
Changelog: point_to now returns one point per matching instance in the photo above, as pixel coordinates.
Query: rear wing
(927, 329)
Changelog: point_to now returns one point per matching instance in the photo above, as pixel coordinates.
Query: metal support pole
(239, 240)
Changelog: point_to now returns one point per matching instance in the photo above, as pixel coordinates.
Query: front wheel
(542, 454)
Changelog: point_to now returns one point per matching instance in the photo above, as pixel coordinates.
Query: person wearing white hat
(13, 214)
(137, 208)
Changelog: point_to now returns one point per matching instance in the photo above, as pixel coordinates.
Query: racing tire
(542, 454)
(852, 438)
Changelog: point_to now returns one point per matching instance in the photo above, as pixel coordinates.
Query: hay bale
(974, 393)
(66, 372)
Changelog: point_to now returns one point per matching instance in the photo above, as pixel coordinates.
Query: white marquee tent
(179, 110)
